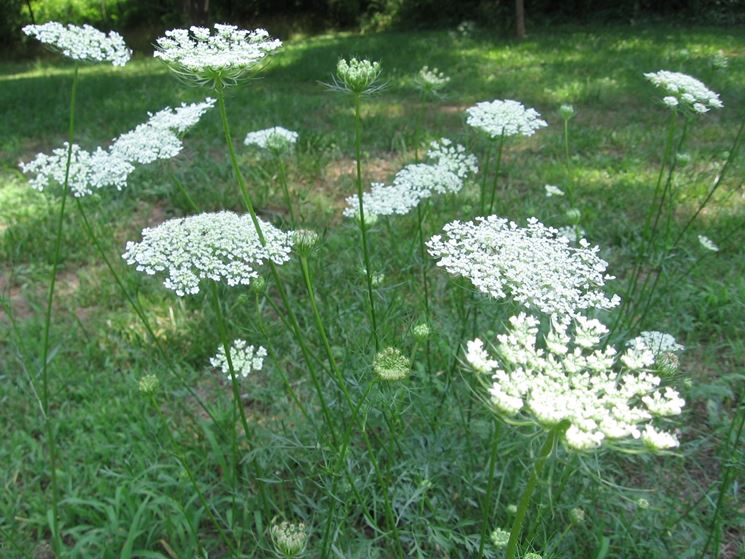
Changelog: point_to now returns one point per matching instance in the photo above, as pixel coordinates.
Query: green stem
(425, 283)
(486, 519)
(566, 141)
(363, 225)
(238, 404)
(341, 383)
(282, 173)
(522, 507)
(51, 443)
(500, 147)
(484, 176)
(294, 325)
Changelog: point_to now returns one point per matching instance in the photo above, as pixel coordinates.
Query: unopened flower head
(504, 118)
(552, 190)
(357, 76)
(275, 139)
(148, 384)
(218, 59)
(500, 538)
(577, 515)
(421, 332)
(158, 138)
(289, 539)
(689, 92)
(305, 241)
(707, 243)
(566, 111)
(222, 247)
(532, 555)
(391, 364)
(532, 264)
(431, 80)
(416, 182)
(719, 61)
(574, 380)
(245, 358)
(642, 503)
(85, 44)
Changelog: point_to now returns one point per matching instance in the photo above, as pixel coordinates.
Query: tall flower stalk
(51, 443)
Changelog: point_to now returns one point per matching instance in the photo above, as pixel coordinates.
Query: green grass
(124, 492)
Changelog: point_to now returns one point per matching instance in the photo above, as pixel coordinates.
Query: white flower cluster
(86, 43)
(412, 184)
(707, 243)
(158, 138)
(275, 139)
(575, 381)
(536, 266)
(656, 342)
(91, 171)
(224, 56)
(504, 118)
(686, 90)
(552, 190)
(222, 246)
(431, 79)
(245, 358)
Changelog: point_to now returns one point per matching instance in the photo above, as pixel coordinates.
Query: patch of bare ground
(19, 294)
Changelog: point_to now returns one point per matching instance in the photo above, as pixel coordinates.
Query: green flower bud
(421, 332)
(566, 111)
(642, 503)
(305, 240)
(357, 76)
(532, 555)
(577, 515)
(512, 510)
(148, 384)
(682, 159)
(289, 539)
(391, 364)
(258, 284)
(500, 538)
(573, 215)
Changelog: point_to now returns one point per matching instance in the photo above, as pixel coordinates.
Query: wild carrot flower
(689, 92)
(391, 364)
(218, 59)
(504, 118)
(85, 44)
(534, 265)
(148, 384)
(572, 379)
(566, 111)
(158, 138)
(430, 81)
(656, 342)
(415, 182)
(89, 171)
(305, 240)
(707, 243)
(244, 357)
(421, 332)
(274, 139)
(222, 246)
(552, 190)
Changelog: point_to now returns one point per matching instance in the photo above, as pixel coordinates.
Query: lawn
(129, 462)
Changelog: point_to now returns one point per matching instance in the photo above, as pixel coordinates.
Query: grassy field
(124, 490)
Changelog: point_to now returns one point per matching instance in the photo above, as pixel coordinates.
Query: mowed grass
(124, 493)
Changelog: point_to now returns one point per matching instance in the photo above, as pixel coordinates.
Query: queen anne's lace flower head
(89, 171)
(656, 342)
(684, 90)
(219, 58)
(390, 364)
(430, 80)
(274, 139)
(158, 138)
(289, 539)
(552, 190)
(245, 358)
(86, 43)
(533, 265)
(222, 246)
(504, 118)
(573, 380)
(415, 182)
(707, 243)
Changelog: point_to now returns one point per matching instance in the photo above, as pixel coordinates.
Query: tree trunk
(520, 19)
